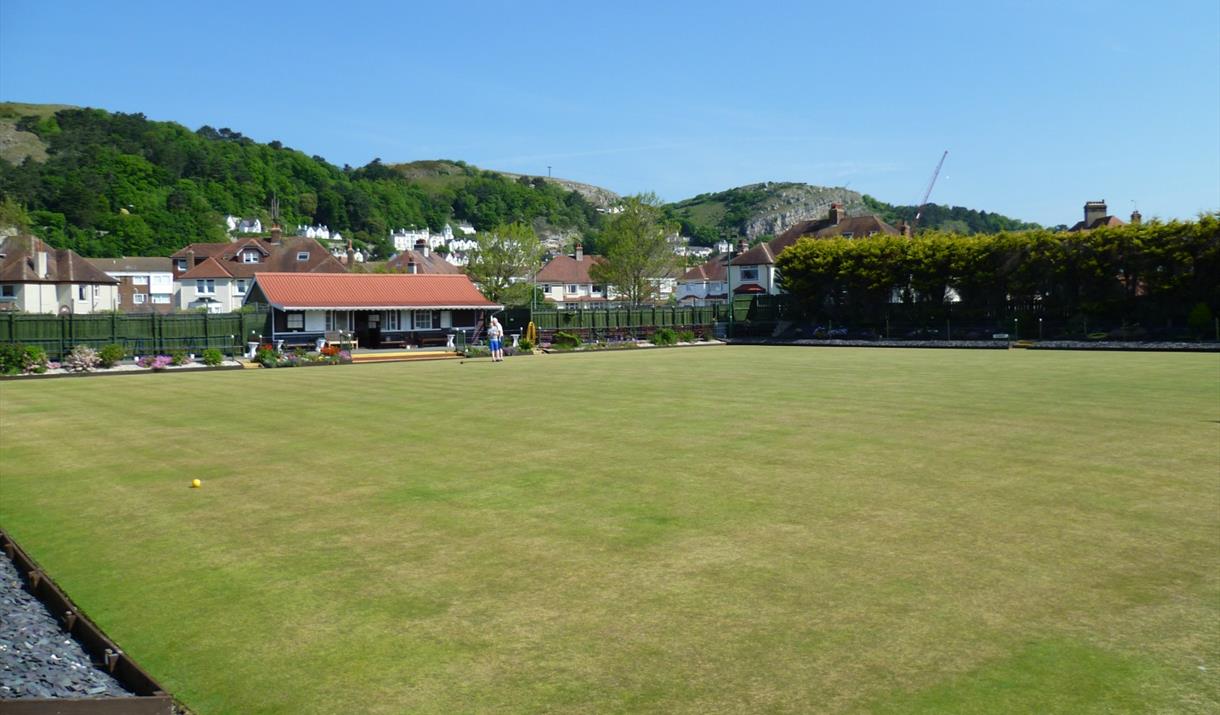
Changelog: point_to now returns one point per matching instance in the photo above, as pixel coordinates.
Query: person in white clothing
(495, 340)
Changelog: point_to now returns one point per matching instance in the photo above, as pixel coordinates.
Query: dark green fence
(143, 334)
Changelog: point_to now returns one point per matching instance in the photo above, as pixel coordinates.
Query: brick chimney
(580, 252)
(1136, 218)
(350, 257)
(904, 228)
(190, 258)
(421, 247)
(742, 246)
(276, 232)
(837, 214)
(1094, 211)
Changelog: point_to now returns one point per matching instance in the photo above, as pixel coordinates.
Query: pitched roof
(368, 291)
(134, 264)
(432, 263)
(856, 226)
(1098, 223)
(223, 260)
(19, 263)
(712, 270)
(566, 269)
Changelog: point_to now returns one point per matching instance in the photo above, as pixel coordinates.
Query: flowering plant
(159, 362)
(82, 359)
(345, 356)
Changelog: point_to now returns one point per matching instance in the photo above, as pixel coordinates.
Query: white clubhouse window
(294, 321)
(423, 320)
(205, 285)
(390, 320)
(139, 280)
(338, 320)
(138, 298)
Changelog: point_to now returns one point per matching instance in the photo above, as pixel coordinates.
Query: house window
(205, 286)
(138, 298)
(160, 299)
(249, 257)
(423, 320)
(597, 290)
(8, 291)
(182, 264)
(749, 274)
(82, 292)
(239, 286)
(391, 320)
(303, 256)
(294, 321)
(139, 280)
(847, 234)
(573, 288)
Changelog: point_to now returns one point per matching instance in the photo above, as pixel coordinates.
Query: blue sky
(1042, 105)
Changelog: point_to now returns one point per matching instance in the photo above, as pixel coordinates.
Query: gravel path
(37, 659)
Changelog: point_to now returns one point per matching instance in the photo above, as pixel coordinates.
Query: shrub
(664, 336)
(82, 359)
(158, 362)
(34, 360)
(179, 358)
(1200, 319)
(525, 344)
(686, 336)
(565, 341)
(12, 358)
(111, 354)
(266, 356)
(212, 357)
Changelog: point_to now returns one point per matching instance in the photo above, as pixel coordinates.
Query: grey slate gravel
(37, 658)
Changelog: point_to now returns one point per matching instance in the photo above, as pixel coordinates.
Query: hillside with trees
(760, 211)
(116, 184)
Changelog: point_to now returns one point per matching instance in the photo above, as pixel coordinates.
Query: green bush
(179, 358)
(12, 358)
(565, 341)
(1200, 320)
(213, 357)
(34, 360)
(111, 354)
(686, 336)
(664, 336)
(525, 344)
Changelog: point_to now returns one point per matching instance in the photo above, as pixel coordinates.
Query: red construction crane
(926, 194)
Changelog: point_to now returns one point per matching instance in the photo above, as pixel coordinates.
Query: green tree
(636, 250)
(505, 259)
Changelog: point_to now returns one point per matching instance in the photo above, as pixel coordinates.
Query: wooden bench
(425, 340)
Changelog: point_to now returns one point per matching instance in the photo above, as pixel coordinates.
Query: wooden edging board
(149, 699)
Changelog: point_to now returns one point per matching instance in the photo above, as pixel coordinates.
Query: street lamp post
(728, 290)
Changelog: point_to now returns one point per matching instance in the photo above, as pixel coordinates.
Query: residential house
(146, 285)
(421, 260)
(565, 281)
(36, 278)
(217, 276)
(704, 284)
(753, 272)
(235, 224)
(1096, 216)
(379, 309)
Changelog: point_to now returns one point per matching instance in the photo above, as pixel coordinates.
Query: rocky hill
(770, 208)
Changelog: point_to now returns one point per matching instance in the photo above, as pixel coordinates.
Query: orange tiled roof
(319, 291)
